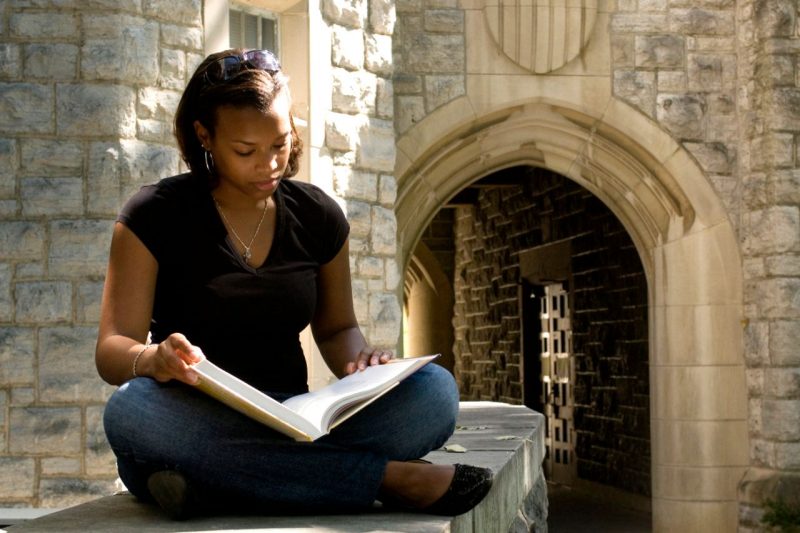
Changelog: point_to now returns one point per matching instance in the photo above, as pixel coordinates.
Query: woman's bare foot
(416, 485)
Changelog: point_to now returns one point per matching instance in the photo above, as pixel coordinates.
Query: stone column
(87, 95)
(769, 109)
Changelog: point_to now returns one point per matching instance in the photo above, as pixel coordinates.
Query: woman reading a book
(231, 261)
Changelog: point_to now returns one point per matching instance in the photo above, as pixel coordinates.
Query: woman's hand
(369, 356)
(171, 359)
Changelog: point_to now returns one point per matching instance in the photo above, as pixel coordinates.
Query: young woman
(231, 261)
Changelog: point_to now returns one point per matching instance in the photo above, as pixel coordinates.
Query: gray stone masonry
(508, 439)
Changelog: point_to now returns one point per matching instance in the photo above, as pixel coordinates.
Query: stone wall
(87, 93)
(609, 317)
(769, 166)
(359, 144)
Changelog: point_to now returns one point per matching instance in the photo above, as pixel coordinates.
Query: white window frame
(261, 13)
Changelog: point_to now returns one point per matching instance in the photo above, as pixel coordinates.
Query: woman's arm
(334, 324)
(125, 315)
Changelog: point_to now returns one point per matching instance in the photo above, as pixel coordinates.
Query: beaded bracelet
(136, 359)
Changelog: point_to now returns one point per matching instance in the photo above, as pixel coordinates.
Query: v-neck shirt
(245, 319)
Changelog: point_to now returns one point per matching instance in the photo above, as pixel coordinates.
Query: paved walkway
(577, 511)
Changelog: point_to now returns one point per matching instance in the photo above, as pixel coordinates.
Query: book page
(251, 402)
(322, 407)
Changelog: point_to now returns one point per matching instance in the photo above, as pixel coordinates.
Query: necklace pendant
(247, 255)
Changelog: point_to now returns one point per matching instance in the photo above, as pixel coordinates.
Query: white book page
(322, 406)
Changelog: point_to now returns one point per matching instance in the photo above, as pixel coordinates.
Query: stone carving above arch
(541, 35)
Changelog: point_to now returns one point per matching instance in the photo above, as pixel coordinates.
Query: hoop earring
(209, 159)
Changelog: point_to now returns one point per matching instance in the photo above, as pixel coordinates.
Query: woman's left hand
(369, 356)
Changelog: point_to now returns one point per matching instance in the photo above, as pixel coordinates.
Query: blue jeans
(234, 463)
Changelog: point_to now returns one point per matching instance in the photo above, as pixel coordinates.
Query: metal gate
(558, 376)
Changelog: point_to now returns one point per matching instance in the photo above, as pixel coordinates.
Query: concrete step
(509, 439)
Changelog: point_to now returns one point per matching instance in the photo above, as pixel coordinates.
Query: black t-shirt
(247, 320)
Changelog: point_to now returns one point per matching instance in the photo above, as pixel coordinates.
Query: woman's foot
(171, 492)
(436, 489)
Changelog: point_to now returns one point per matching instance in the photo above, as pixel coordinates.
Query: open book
(309, 416)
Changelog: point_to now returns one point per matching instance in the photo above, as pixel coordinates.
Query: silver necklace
(247, 253)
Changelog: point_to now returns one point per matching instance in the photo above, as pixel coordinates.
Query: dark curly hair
(201, 99)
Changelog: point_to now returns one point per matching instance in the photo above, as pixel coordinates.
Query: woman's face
(251, 149)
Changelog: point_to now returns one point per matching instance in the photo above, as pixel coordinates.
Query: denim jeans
(234, 463)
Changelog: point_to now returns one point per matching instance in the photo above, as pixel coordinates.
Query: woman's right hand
(171, 359)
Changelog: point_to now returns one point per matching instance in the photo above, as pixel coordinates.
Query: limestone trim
(688, 249)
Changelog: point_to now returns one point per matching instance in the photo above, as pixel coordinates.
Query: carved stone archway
(688, 249)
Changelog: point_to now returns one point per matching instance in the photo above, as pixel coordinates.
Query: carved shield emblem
(541, 35)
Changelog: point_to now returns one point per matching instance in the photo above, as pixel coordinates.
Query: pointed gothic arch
(688, 249)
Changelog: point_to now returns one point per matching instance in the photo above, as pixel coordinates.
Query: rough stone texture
(609, 317)
(87, 95)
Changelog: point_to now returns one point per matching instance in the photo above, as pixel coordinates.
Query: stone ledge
(509, 439)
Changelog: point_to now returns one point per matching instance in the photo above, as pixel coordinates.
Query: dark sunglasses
(227, 67)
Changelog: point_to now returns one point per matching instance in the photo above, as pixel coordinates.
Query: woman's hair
(202, 98)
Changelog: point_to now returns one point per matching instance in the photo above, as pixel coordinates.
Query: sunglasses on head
(227, 67)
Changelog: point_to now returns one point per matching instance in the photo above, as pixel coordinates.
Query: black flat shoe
(469, 486)
(171, 491)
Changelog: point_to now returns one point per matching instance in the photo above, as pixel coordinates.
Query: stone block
(781, 419)
(410, 110)
(154, 131)
(79, 248)
(185, 12)
(347, 47)
(638, 22)
(385, 317)
(100, 460)
(659, 51)
(358, 214)
(444, 20)
(710, 73)
(671, 81)
(51, 157)
(26, 108)
(622, 51)
(51, 196)
(96, 110)
(43, 302)
(132, 56)
(6, 302)
(682, 114)
(353, 92)
(66, 367)
(378, 54)
(434, 53)
(342, 131)
(787, 455)
(387, 191)
(87, 302)
(188, 37)
(772, 150)
(778, 297)
(9, 164)
(382, 16)
(18, 477)
(384, 231)
(775, 18)
(405, 83)
(173, 69)
(783, 265)
(782, 382)
(369, 267)
(45, 430)
(133, 6)
(349, 183)
(104, 193)
(10, 61)
(784, 338)
(360, 300)
(636, 87)
(67, 492)
(21, 240)
(21, 396)
(29, 271)
(142, 163)
(17, 356)
(783, 109)
(392, 277)
(701, 21)
(377, 149)
(715, 157)
(384, 99)
(409, 6)
(54, 62)
(158, 104)
(54, 466)
(46, 26)
(775, 70)
(441, 89)
(351, 13)
(772, 230)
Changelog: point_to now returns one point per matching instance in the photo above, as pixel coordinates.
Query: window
(252, 28)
